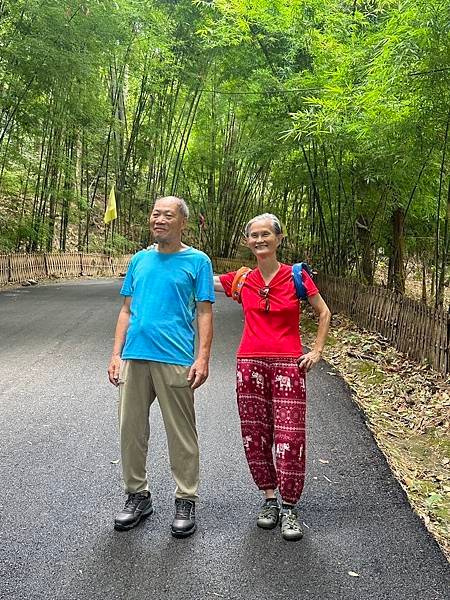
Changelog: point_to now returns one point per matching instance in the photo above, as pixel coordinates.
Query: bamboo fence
(17, 268)
(417, 330)
(421, 332)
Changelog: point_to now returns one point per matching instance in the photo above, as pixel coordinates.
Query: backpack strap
(238, 282)
(298, 279)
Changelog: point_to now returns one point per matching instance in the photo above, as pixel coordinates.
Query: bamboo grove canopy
(334, 115)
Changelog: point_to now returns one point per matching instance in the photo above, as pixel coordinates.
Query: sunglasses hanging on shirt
(264, 303)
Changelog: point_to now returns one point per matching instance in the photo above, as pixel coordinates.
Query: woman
(271, 371)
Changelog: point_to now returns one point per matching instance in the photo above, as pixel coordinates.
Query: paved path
(60, 484)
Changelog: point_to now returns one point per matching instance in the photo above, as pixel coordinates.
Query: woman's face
(262, 240)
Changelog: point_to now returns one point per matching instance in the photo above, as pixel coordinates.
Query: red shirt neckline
(272, 281)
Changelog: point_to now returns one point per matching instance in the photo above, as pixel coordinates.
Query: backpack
(300, 290)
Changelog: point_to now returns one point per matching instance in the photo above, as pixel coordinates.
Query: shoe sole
(144, 515)
(183, 534)
(292, 539)
(271, 526)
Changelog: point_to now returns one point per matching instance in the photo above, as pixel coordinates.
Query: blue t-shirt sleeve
(204, 283)
(128, 286)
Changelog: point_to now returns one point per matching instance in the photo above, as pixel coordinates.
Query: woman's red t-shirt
(276, 332)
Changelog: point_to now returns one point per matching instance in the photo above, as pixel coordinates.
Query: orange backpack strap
(238, 282)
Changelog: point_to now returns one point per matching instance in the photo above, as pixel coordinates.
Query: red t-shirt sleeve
(226, 280)
(311, 288)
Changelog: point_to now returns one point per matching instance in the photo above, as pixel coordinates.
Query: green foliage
(331, 114)
(117, 245)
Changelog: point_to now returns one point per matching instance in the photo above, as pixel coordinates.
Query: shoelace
(133, 500)
(183, 510)
(291, 521)
(266, 510)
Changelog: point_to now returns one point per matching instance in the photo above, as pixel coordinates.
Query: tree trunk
(438, 214)
(445, 244)
(398, 250)
(366, 251)
(424, 282)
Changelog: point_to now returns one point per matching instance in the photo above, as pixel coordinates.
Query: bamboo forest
(334, 115)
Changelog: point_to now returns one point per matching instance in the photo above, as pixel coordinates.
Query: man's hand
(308, 360)
(198, 373)
(119, 340)
(113, 369)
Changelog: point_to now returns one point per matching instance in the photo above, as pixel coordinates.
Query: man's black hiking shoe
(137, 507)
(183, 523)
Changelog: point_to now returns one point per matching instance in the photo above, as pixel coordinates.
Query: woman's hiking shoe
(269, 514)
(137, 507)
(183, 523)
(290, 525)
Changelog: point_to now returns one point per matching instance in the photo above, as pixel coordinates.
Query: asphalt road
(60, 481)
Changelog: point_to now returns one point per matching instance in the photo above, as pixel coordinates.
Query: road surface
(61, 487)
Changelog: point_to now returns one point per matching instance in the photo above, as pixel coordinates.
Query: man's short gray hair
(182, 205)
(276, 225)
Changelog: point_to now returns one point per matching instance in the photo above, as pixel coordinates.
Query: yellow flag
(111, 209)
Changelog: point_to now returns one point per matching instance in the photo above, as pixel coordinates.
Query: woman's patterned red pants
(272, 407)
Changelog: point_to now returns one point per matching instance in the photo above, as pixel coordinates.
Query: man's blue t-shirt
(164, 290)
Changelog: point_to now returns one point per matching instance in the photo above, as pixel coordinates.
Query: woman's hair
(276, 225)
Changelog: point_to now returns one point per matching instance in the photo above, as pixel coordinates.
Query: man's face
(166, 221)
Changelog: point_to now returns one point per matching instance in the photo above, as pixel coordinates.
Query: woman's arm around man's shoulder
(218, 287)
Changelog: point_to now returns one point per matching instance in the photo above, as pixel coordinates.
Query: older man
(153, 356)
